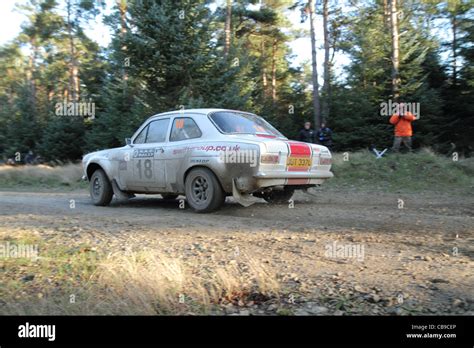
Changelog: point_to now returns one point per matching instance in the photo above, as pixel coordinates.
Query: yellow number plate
(301, 162)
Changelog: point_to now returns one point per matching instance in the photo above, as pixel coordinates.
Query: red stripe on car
(300, 149)
(266, 136)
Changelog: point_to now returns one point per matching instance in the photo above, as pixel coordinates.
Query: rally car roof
(195, 111)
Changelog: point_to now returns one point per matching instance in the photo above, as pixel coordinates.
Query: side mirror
(128, 141)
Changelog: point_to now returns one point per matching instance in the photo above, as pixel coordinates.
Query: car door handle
(159, 149)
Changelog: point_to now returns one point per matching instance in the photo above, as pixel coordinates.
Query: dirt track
(409, 264)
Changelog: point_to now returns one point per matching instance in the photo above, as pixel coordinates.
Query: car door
(184, 134)
(147, 171)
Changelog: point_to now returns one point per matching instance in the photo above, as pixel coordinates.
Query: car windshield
(235, 122)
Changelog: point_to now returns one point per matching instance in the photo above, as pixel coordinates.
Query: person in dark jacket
(307, 134)
(30, 158)
(324, 135)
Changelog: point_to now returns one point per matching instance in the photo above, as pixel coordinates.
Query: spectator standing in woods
(307, 134)
(30, 158)
(403, 130)
(324, 136)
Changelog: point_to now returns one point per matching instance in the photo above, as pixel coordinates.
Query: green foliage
(63, 139)
(169, 54)
(355, 102)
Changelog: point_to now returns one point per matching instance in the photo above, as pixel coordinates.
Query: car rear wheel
(278, 196)
(100, 188)
(203, 191)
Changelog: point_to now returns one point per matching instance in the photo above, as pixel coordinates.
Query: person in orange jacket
(403, 130)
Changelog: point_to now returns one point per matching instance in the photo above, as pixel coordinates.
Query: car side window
(184, 128)
(140, 138)
(157, 131)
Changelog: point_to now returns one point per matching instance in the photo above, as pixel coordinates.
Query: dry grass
(40, 175)
(149, 283)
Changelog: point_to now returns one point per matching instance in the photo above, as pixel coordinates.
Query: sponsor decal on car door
(148, 166)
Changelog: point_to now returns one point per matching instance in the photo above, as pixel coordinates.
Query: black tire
(169, 196)
(100, 188)
(279, 196)
(203, 191)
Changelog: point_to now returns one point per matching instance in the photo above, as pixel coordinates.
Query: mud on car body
(206, 155)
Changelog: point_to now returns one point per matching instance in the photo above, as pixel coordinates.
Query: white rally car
(206, 155)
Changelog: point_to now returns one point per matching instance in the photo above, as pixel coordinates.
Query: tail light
(325, 161)
(270, 159)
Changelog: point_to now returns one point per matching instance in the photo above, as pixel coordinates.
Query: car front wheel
(100, 188)
(203, 191)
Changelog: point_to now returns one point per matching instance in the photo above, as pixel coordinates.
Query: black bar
(139, 330)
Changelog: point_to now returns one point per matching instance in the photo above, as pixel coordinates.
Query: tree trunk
(454, 47)
(274, 48)
(264, 70)
(228, 19)
(316, 102)
(326, 87)
(73, 66)
(386, 13)
(395, 50)
(122, 4)
(31, 73)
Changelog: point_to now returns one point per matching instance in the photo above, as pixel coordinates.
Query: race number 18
(147, 169)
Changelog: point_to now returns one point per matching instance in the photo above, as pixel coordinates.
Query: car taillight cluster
(270, 159)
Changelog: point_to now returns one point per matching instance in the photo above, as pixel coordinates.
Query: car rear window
(184, 128)
(235, 122)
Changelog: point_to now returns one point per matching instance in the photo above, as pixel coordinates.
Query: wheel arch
(205, 167)
(92, 167)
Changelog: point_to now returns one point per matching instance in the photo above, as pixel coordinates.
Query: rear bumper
(261, 179)
(320, 174)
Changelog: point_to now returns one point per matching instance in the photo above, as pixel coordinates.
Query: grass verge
(42, 176)
(79, 280)
(410, 172)
(413, 172)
